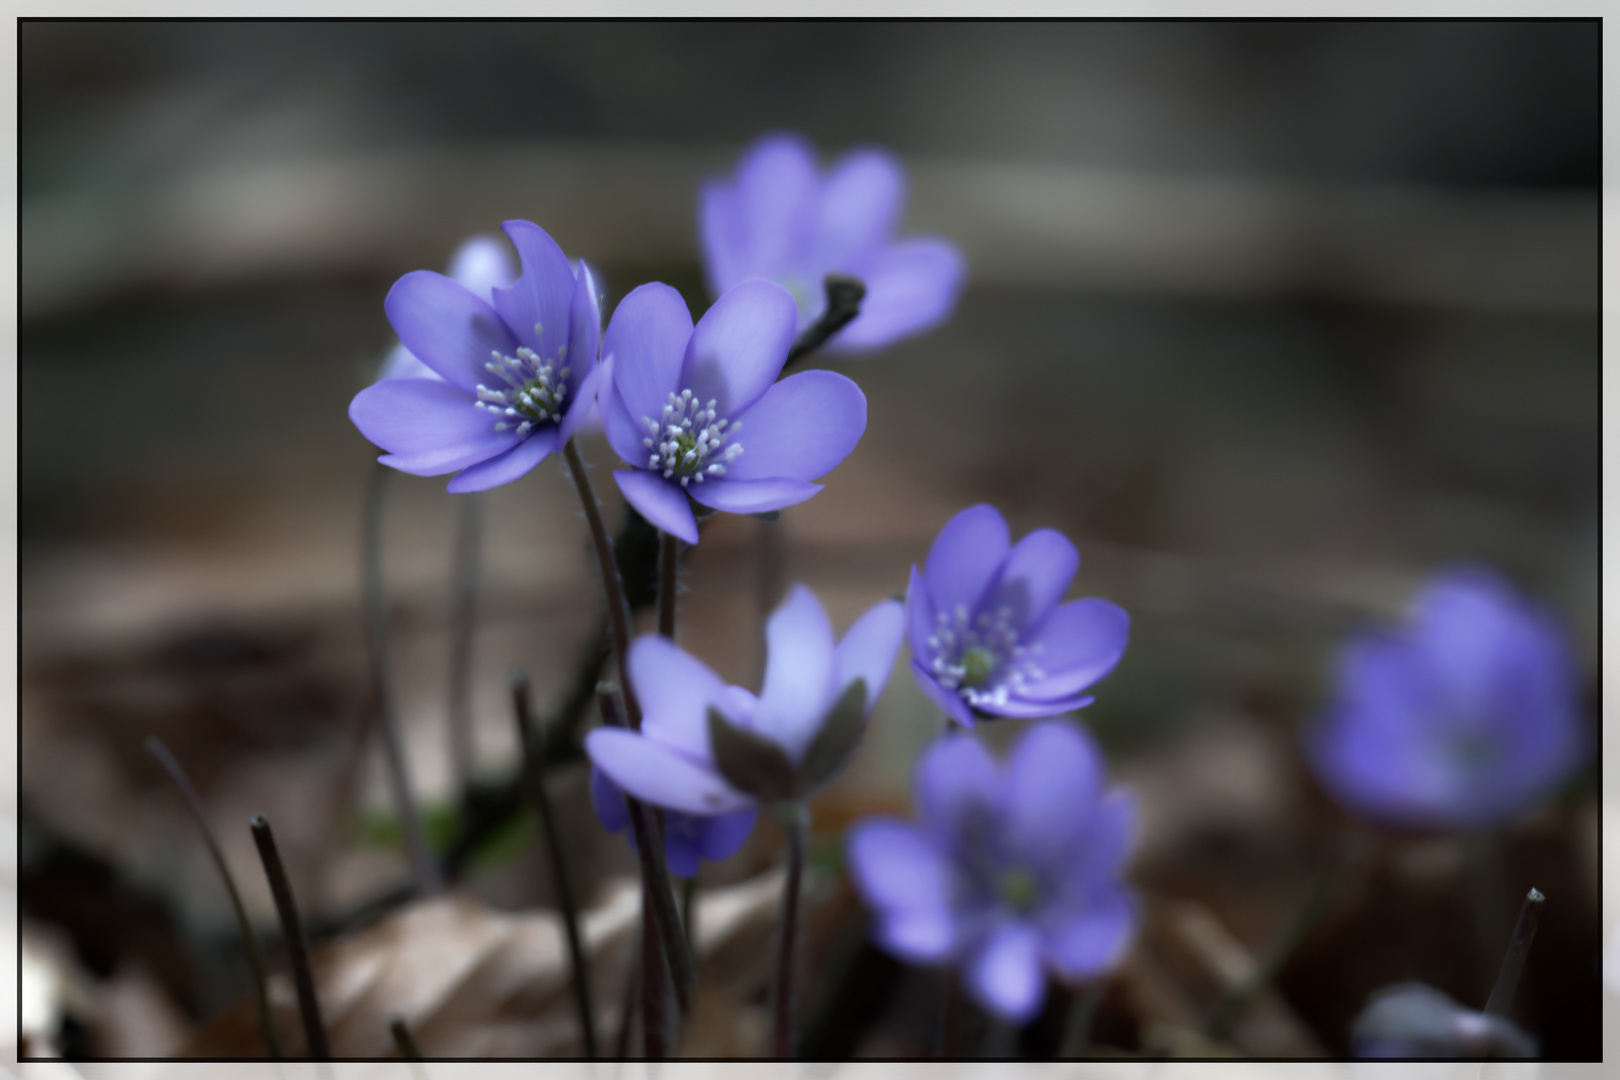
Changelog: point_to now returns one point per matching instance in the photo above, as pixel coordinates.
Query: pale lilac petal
(919, 614)
(948, 701)
(720, 836)
(953, 778)
(737, 349)
(1088, 941)
(576, 412)
(681, 838)
(900, 874)
(426, 416)
(725, 242)
(608, 801)
(1080, 643)
(751, 496)
(1109, 839)
(584, 331)
(801, 429)
(1054, 786)
(861, 203)
(646, 338)
(655, 773)
(543, 293)
(483, 264)
(446, 327)
(799, 670)
(911, 287)
(918, 935)
(624, 434)
(1005, 974)
(660, 501)
(1034, 578)
(507, 467)
(401, 363)
(777, 191)
(867, 649)
(675, 690)
(446, 459)
(1017, 707)
(965, 557)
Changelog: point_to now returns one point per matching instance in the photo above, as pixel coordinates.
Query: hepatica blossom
(517, 372)
(778, 218)
(481, 264)
(688, 838)
(817, 696)
(697, 411)
(1465, 717)
(989, 635)
(1011, 870)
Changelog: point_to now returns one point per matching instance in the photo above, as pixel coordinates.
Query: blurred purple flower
(1010, 869)
(671, 761)
(988, 634)
(517, 373)
(1465, 717)
(778, 219)
(680, 396)
(481, 264)
(688, 838)
(1411, 1020)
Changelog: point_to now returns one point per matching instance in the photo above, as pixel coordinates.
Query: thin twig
(795, 822)
(532, 769)
(1524, 932)
(423, 866)
(292, 932)
(463, 629)
(250, 940)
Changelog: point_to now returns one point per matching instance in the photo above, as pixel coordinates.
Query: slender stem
(669, 549)
(844, 296)
(1524, 932)
(292, 931)
(1077, 1036)
(250, 940)
(795, 819)
(654, 1006)
(655, 877)
(404, 1042)
(689, 912)
(612, 587)
(627, 1010)
(423, 866)
(950, 1015)
(463, 629)
(523, 715)
(1236, 1004)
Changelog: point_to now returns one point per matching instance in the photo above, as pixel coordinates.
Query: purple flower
(688, 838)
(698, 411)
(1010, 869)
(1411, 1020)
(778, 219)
(1465, 717)
(482, 265)
(517, 373)
(671, 761)
(988, 634)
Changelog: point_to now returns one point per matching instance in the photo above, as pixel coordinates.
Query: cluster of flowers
(1012, 870)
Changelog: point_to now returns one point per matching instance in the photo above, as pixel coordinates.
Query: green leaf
(835, 743)
(751, 763)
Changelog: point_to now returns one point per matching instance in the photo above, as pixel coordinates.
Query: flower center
(688, 442)
(1018, 889)
(981, 658)
(534, 389)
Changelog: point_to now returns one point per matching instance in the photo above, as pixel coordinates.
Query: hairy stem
(250, 940)
(424, 868)
(292, 931)
(463, 629)
(612, 587)
(796, 823)
(522, 713)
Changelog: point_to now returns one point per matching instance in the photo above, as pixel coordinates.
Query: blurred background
(1272, 319)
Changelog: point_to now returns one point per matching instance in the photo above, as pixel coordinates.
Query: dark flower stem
(655, 878)
(463, 629)
(689, 912)
(844, 296)
(950, 1015)
(1236, 1004)
(795, 818)
(1082, 1013)
(612, 587)
(250, 940)
(669, 564)
(424, 868)
(522, 713)
(403, 1040)
(627, 1011)
(654, 1003)
(1524, 932)
(292, 931)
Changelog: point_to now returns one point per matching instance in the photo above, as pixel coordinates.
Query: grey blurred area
(1273, 319)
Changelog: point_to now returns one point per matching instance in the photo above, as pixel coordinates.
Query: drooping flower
(688, 838)
(1010, 870)
(697, 411)
(481, 264)
(779, 219)
(800, 729)
(1411, 1020)
(989, 635)
(1465, 717)
(517, 373)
